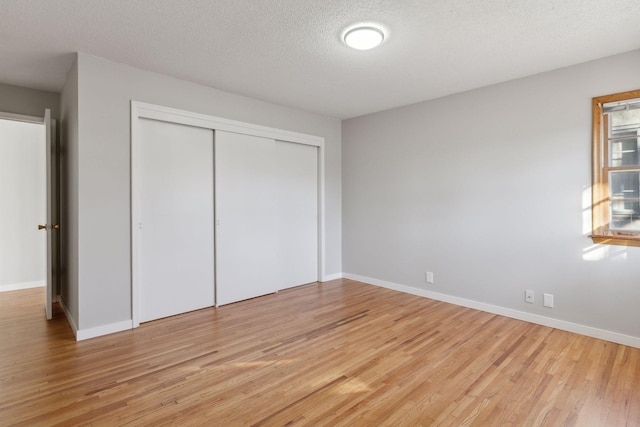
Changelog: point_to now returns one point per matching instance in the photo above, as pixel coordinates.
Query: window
(616, 169)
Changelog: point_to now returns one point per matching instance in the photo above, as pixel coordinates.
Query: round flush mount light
(364, 38)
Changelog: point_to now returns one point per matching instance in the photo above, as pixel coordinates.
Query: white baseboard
(23, 285)
(85, 334)
(67, 314)
(563, 325)
(329, 277)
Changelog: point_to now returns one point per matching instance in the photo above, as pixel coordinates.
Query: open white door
(49, 227)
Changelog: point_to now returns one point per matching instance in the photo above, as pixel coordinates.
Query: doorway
(28, 190)
(22, 191)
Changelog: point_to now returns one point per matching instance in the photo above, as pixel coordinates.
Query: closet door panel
(296, 172)
(176, 259)
(246, 216)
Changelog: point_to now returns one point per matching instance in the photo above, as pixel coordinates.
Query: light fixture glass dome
(363, 38)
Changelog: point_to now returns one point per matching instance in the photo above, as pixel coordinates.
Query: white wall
(105, 90)
(490, 190)
(22, 205)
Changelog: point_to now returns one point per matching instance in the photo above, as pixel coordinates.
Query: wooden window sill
(616, 240)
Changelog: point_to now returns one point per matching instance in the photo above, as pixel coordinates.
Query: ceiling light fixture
(364, 38)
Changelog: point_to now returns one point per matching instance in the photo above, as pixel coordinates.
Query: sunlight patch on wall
(603, 252)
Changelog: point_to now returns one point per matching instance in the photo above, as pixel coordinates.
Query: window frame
(601, 200)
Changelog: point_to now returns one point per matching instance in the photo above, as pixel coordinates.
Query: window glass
(624, 138)
(625, 200)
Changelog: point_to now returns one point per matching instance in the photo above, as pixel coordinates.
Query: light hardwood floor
(340, 354)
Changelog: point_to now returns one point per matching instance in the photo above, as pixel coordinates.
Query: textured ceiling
(290, 52)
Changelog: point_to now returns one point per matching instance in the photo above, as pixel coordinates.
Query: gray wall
(69, 147)
(105, 90)
(490, 190)
(29, 102)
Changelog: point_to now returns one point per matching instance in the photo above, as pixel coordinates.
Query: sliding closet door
(266, 210)
(176, 250)
(246, 217)
(296, 173)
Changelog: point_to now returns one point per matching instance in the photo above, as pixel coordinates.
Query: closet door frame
(140, 110)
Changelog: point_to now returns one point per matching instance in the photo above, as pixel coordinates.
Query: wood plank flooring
(340, 353)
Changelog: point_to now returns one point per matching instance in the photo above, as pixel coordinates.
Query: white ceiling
(290, 52)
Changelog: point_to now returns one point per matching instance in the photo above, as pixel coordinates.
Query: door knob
(48, 227)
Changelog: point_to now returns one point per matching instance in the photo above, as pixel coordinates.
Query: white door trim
(141, 110)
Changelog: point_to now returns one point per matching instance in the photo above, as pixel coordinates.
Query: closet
(221, 211)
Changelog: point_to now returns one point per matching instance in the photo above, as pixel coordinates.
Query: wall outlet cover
(429, 277)
(548, 300)
(529, 296)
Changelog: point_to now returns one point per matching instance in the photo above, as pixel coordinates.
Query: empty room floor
(340, 353)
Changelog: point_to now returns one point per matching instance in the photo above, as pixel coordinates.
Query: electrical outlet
(428, 277)
(528, 296)
(548, 300)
